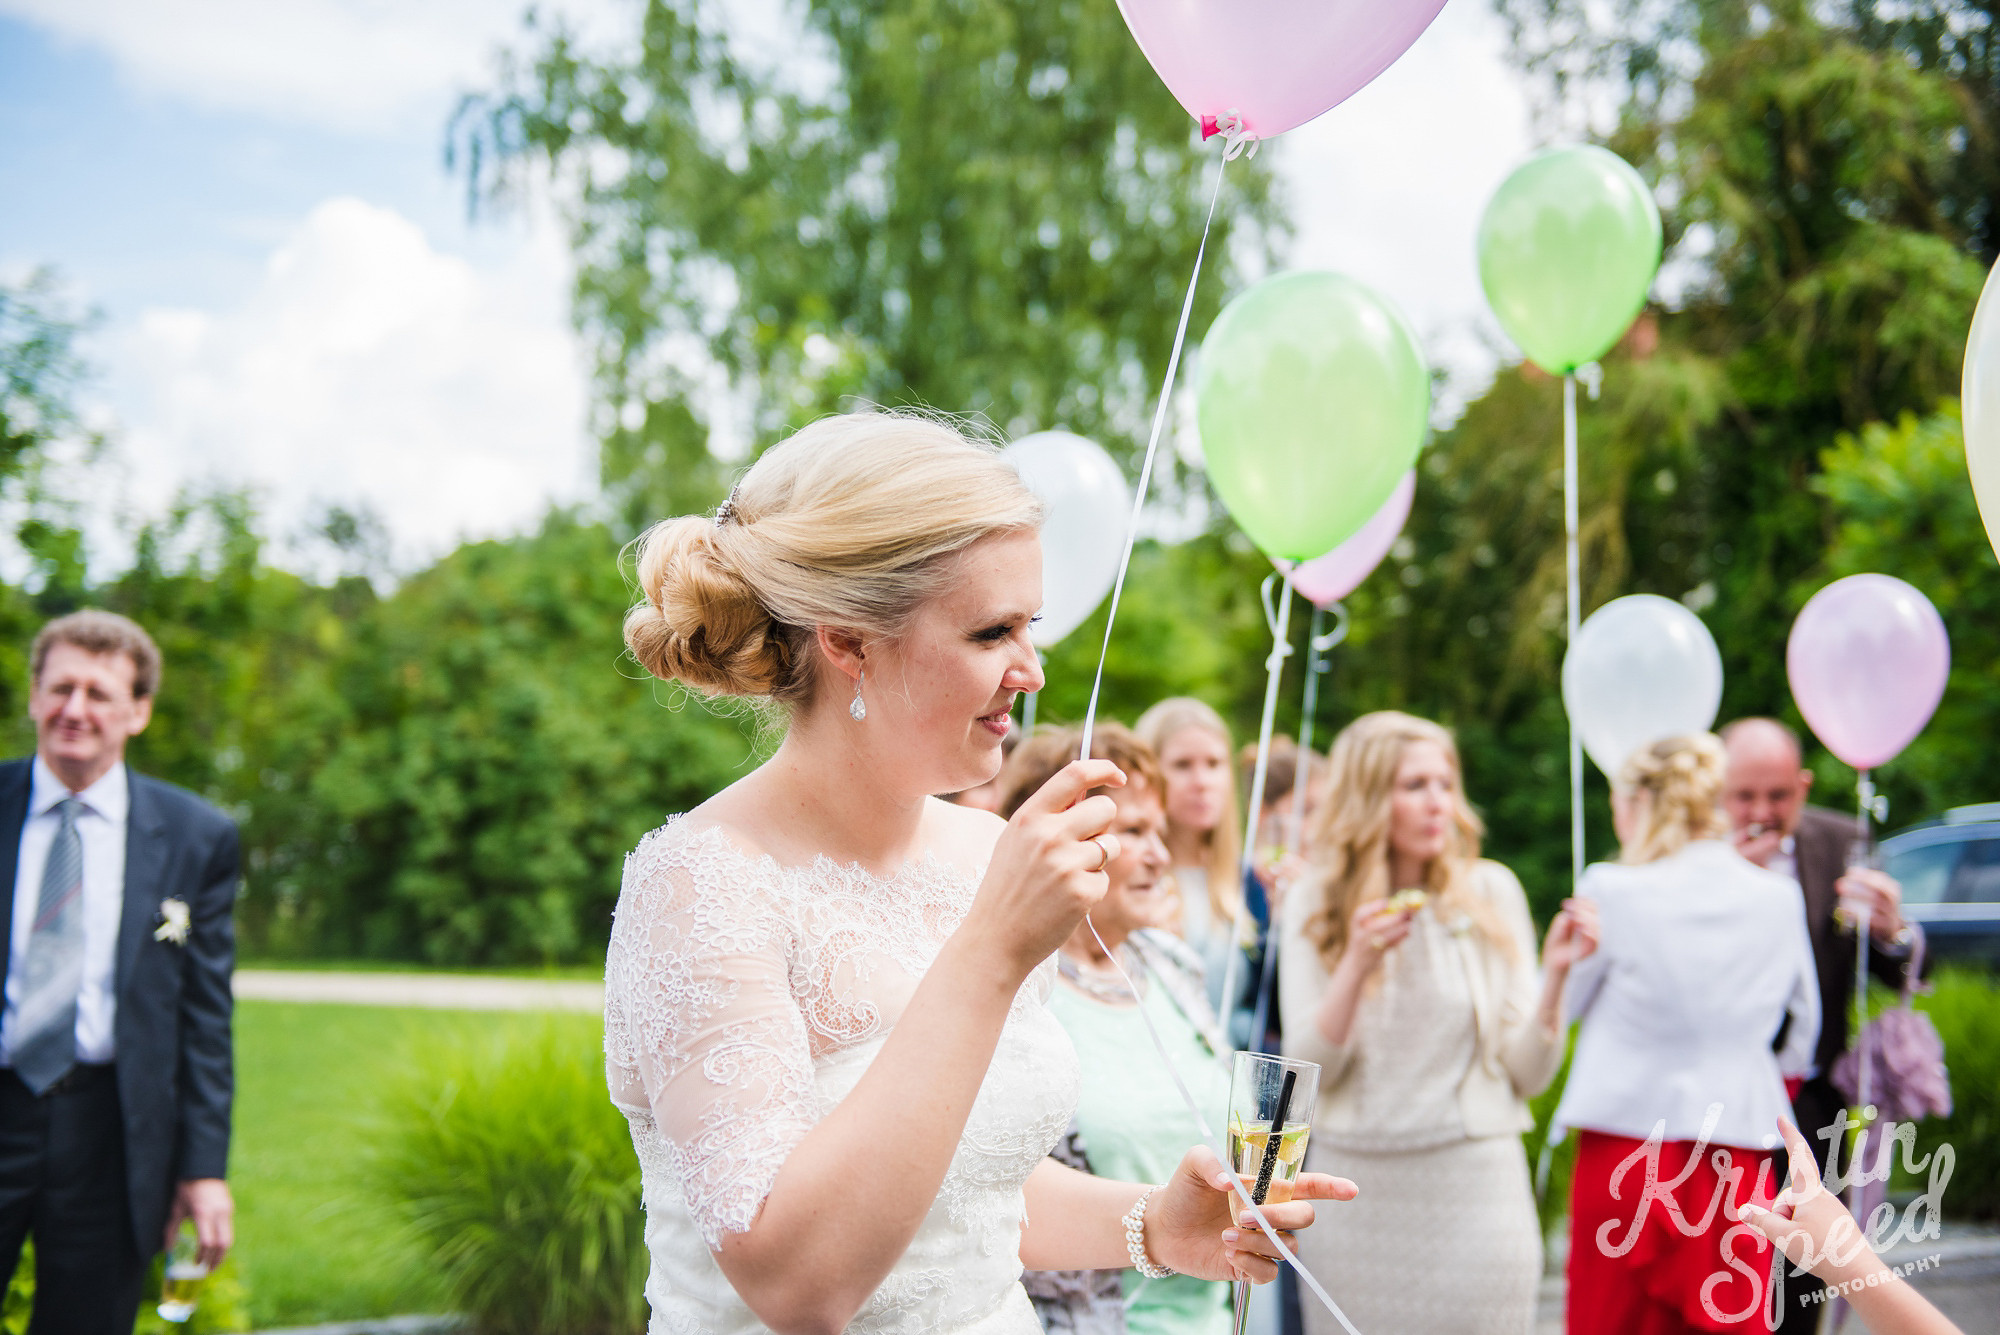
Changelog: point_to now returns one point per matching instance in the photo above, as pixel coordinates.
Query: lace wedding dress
(742, 1001)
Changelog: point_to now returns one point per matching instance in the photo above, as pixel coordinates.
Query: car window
(1925, 870)
(1976, 879)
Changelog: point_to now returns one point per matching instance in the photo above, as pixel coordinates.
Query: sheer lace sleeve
(701, 1029)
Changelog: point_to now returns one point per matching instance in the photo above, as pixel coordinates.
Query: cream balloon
(1642, 668)
(1085, 509)
(1980, 403)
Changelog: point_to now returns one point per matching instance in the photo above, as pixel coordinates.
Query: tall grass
(517, 1179)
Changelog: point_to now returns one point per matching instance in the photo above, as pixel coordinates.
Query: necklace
(1097, 986)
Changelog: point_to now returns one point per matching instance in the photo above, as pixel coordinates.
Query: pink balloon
(1327, 579)
(1868, 658)
(1275, 63)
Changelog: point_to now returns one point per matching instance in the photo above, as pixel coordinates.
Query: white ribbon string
(1237, 141)
(1208, 1138)
(1279, 621)
(1317, 646)
(1146, 468)
(1574, 599)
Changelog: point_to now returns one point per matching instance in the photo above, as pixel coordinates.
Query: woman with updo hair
(825, 995)
(1407, 971)
(1703, 960)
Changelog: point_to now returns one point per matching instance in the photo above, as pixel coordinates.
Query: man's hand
(1879, 893)
(1759, 843)
(207, 1202)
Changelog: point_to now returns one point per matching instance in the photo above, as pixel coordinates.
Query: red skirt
(1663, 1253)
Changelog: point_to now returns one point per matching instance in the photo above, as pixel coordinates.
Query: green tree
(40, 372)
(982, 207)
(474, 759)
(1901, 503)
(40, 376)
(1824, 274)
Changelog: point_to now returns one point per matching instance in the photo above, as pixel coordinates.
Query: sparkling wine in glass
(181, 1280)
(1271, 1102)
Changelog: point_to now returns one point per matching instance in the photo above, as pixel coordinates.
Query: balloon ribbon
(1316, 666)
(1573, 566)
(1152, 449)
(1090, 720)
(1208, 1138)
(1274, 668)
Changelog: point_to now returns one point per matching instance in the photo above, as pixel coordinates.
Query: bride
(824, 997)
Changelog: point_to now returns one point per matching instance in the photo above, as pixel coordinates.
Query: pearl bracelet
(1135, 1239)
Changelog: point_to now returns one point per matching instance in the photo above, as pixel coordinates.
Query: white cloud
(353, 65)
(1389, 186)
(368, 369)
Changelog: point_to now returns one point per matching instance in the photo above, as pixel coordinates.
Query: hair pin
(727, 510)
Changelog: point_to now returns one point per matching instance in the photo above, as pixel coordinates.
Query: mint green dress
(1135, 1127)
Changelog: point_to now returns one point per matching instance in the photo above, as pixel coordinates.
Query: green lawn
(314, 1242)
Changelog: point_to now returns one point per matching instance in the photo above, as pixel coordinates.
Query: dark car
(1950, 870)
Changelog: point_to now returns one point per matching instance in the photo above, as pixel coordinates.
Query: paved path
(433, 991)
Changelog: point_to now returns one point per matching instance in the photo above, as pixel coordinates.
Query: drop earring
(858, 709)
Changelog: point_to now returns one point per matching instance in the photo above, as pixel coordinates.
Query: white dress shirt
(100, 827)
(1701, 957)
(1785, 861)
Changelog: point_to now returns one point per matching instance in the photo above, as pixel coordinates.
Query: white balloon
(1980, 402)
(1642, 668)
(1086, 507)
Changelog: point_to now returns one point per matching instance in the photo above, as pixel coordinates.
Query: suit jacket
(1820, 846)
(175, 1072)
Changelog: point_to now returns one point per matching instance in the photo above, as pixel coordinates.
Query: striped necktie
(44, 1046)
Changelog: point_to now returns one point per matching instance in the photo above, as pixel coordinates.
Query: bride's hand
(1197, 1224)
(1046, 871)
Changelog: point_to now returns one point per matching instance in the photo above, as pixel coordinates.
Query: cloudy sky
(253, 197)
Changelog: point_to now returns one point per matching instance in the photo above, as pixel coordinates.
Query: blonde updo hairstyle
(849, 523)
(1682, 780)
(1348, 844)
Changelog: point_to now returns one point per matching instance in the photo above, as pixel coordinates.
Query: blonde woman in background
(1407, 971)
(1203, 830)
(1704, 955)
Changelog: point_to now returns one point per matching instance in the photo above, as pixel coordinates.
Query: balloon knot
(1237, 140)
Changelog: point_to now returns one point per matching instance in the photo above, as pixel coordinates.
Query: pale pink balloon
(1868, 659)
(1275, 64)
(1327, 579)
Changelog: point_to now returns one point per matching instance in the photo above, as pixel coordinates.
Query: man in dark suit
(1765, 792)
(114, 1100)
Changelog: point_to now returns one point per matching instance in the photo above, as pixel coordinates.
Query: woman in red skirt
(1675, 1089)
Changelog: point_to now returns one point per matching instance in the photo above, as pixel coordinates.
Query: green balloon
(1313, 398)
(1567, 249)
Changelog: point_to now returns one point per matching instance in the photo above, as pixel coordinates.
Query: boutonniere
(174, 920)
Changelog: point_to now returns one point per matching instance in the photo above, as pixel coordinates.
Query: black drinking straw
(1275, 1139)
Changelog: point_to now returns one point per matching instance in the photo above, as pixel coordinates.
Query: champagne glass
(180, 1284)
(1862, 855)
(1270, 1120)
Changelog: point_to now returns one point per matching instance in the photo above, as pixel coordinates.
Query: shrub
(517, 1178)
(1965, 1007)
(1552, 1204)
